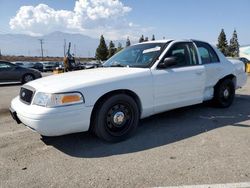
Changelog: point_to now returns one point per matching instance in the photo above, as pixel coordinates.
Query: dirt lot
(193, 145)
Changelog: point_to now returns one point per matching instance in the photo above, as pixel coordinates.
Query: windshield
(141, 55)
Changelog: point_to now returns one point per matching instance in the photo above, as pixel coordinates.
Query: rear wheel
(224, 93)
(117, 118)
(27, 78)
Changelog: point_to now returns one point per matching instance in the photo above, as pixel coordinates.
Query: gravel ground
(193, 145)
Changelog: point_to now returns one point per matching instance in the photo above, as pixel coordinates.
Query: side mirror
(167, 62)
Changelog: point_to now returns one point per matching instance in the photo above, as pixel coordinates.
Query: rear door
(213, 67)
(181, 84)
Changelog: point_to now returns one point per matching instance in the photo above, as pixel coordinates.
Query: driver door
(181, 84)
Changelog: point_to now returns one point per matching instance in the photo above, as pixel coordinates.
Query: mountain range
(53, 44)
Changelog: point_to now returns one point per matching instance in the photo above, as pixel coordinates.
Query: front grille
(26, 95)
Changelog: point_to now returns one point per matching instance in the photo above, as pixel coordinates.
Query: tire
(224, 93)
(116, 119)
(47, 139)
(27, 78)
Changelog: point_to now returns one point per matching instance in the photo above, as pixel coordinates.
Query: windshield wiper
(117, 65)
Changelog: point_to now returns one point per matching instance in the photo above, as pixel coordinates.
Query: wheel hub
(226, 93)
(119, 118)
(28, 78)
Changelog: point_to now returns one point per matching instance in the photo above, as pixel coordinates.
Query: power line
(41, 43)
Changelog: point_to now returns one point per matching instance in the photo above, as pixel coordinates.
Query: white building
(245, 51)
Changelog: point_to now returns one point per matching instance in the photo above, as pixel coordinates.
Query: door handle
(199, 72)
(219, 69)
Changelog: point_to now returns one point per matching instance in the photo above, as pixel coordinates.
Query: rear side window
(207, 53)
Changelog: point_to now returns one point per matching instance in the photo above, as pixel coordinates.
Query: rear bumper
(241, 80)
(51, 121)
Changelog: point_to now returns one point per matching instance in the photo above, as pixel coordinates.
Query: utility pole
(41, 43)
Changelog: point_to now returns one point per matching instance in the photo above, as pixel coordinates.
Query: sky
(117, 19)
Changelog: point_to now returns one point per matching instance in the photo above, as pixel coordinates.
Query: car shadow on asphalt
(9, 84)
(158, 130)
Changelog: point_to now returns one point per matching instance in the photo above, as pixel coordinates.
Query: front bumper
(52, 121)
(14, 115)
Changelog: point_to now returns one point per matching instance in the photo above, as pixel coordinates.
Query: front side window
(207, 53)
(141, 55)
(184, 53)
(5, 65)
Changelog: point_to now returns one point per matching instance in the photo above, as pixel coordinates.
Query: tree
(141, 39)
(222, 43)
(119, 47)
(234, 45)
(153, 37)
(112, 49)
(128, 42)
(102, 50)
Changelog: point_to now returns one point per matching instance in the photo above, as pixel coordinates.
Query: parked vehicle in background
(22, 64)
(19, 64)
(49, 66)
(242, 59)
(90, 65)
(61, 65)
(247, 63)
(38, 66)
(139, 81)
(33, 65)
(10, 72)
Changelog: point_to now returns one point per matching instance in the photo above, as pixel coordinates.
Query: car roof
(4, 61)
(170, 40)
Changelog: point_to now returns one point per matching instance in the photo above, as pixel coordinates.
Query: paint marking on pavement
(226, 185)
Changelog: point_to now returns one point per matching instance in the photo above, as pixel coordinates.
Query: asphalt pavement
(188, 146)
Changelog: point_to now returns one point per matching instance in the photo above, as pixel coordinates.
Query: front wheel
(224, 93)
(117, 118)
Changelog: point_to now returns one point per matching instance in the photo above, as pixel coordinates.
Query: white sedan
(140, 81)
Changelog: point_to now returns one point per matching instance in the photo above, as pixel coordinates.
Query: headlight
(59, 99)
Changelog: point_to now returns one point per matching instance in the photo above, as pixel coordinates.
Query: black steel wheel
(117, 118)
(224, 93)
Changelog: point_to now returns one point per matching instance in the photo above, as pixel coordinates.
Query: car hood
(72, 81)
